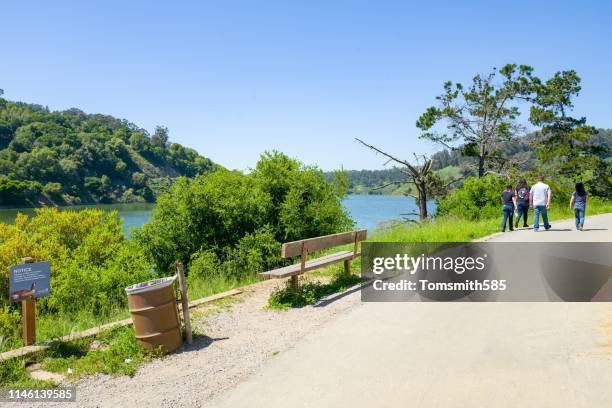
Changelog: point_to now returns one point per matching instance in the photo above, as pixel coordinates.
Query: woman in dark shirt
(507, 207)
(522, 202)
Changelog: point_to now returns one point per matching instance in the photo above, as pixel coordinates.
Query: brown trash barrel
(155, 315)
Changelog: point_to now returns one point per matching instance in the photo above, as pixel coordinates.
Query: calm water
(367, 210)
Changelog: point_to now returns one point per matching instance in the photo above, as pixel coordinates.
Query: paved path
(597, 228)
(449, 354)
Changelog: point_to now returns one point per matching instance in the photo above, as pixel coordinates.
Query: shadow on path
(336, 297)
(199, 342)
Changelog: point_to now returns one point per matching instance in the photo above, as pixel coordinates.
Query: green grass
(117, 354)
(198, 289)
(13, 374)
(117, 345)
(310, 292)
(53, 326)
(450, 229)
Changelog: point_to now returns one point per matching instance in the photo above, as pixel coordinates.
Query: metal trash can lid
(150, 285)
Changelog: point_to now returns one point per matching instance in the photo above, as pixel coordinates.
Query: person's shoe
(581, 228)
(525, 226)
(535, 230)
(516, 225)
(547, 228)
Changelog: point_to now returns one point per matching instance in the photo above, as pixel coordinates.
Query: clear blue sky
(232, 79)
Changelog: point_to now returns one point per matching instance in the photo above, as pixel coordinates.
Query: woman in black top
(507, 207)
(522, 202)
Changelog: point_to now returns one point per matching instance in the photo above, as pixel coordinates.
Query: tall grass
(451, 229)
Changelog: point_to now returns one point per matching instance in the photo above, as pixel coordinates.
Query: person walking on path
(578, 204)
(540, 197)
(508, 199)
(521, 201)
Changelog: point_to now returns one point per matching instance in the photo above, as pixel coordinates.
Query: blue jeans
(508, 212)
(537, 210)
(522, 209)
(579, 214)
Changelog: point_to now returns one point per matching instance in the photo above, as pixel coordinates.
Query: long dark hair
(521, 183)
(580, 189)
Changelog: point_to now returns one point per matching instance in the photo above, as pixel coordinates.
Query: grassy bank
(53, 326)
(113, 352)
(451, 229)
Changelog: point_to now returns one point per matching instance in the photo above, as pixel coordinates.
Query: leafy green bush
(53, 189)
(10, 324)
(91, 261)
(234, 223)
(15, 191)
(479, 198)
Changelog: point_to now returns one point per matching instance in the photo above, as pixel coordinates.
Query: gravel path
(236, 342)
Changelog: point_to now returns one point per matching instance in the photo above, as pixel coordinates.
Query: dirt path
(238, 340)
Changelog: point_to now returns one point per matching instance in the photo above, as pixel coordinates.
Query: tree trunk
(481, 166)
(421, 188)
(481, 161)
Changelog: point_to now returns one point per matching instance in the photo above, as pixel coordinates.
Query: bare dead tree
(419, 174)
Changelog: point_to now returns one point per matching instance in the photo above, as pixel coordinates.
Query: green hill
(71, 157)
(452, 164)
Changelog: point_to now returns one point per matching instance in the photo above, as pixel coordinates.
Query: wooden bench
(305, 246)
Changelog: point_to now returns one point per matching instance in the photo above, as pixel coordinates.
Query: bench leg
(347, 267)
(294, 283)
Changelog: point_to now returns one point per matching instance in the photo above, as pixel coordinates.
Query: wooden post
(180, 270)
(295, 286)
(347, 266)
(28, 315)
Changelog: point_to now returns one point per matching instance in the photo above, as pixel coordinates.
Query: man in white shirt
(539, 199)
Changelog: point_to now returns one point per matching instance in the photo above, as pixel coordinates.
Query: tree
(160, 137)
(427, 184)
(481, 117)
(69, 146)
(567, 145)
(226, 217)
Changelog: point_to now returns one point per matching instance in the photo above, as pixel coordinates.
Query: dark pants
(522, 209)
(508, 212)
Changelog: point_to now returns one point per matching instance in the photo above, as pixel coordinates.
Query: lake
(367, 210)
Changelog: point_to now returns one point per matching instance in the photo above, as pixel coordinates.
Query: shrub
(91, 261)
(204, 265)
(53, 189)
(241, 218)
(15, 191)
(479, 198)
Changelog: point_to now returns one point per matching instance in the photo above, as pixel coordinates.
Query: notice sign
(29, 281)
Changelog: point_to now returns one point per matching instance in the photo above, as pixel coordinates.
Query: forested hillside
(454, 163)
(71, 157)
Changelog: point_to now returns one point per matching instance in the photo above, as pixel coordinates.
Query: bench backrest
(295, 248)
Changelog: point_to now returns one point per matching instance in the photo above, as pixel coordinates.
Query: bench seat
(317, 263)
